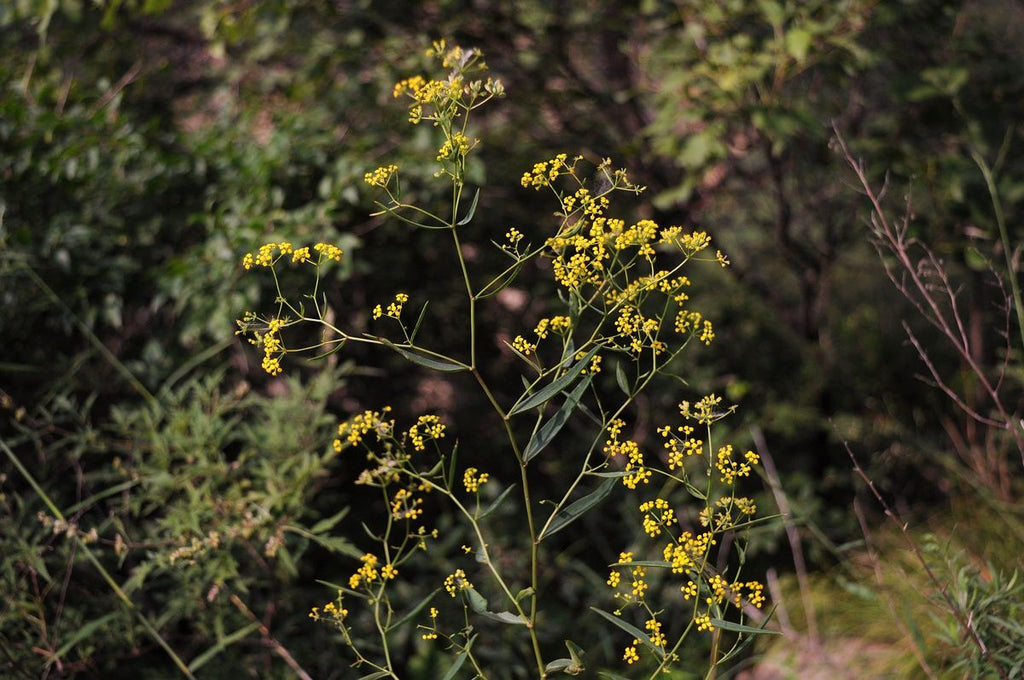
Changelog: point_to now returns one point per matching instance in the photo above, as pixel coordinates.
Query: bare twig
(965, 623)
(270, 640)
(876, 566)
(791, 532)
(936, 302)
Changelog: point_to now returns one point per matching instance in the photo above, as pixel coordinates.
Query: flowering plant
(622, 303)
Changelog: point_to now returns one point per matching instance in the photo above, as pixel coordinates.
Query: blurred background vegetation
(146, 144)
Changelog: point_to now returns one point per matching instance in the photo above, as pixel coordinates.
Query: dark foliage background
(146, 145)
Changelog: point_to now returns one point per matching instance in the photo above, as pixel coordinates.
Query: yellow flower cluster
(703, 622)
(351, 432)
(546, 326)
(427, 428)
(425, 92)
(329, 251)
(729, 469)
(546, 172)
(657, 638)
(631, 656)
(690, 243)
(445, 100)
(553, 324)
(394, 309)
(269, 253)
(473, 480)
(333, 612)
(456, 582)
(704, 411)
(523, 346)
(367, 573)
(431, 633)
(688, 552)
(689, 322)
(638, 332)
(630, 450)
(680, 445)
(595, 363)
(657, 514)
(380, 176)
(456, 146)
(639, 585)
(405, 505)
(273, 347)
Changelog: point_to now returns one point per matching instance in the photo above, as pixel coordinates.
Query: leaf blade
(566, 516)
(554, 387)
(552, 427)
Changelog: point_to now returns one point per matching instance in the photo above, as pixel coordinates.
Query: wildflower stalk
(619, 301)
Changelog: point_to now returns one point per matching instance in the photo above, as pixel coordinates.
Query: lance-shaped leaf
(497, 501)
(547, 432)
(622, 380)
(203, 658)
(632, 630)
(500, 283)
(608, 675)
(376, 675)
(438, 364)
(414, 612)
(472, 210)
(740, 628)
(566, 516)
(542, 396)
(479, 605)
(459, 660)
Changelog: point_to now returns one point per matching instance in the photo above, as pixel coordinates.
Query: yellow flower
(380, 176)
(473, 481)
(456, 582)
(329, 251)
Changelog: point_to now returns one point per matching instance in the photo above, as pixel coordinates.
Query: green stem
(91, 337)
(1004, 237)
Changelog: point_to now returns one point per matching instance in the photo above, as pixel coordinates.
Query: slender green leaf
(445, 365)
(114, 490)
(83, 632)
(415, 611)
(654, 564)
(419, 321)
(496, 502)
(222, 644)
(558, 665)
(504, 617)
(740, 628)
(450, 479)
(577, 655)
(376, 675)
(621, 379)
(479, 605)
(632, 630)
(566, 516)
(472, 210)
(476, 601)
(546, 433)
(328, 523)
(525, 592)
(459, 660)
(542, 396)
(608, 675)
(500, 283)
